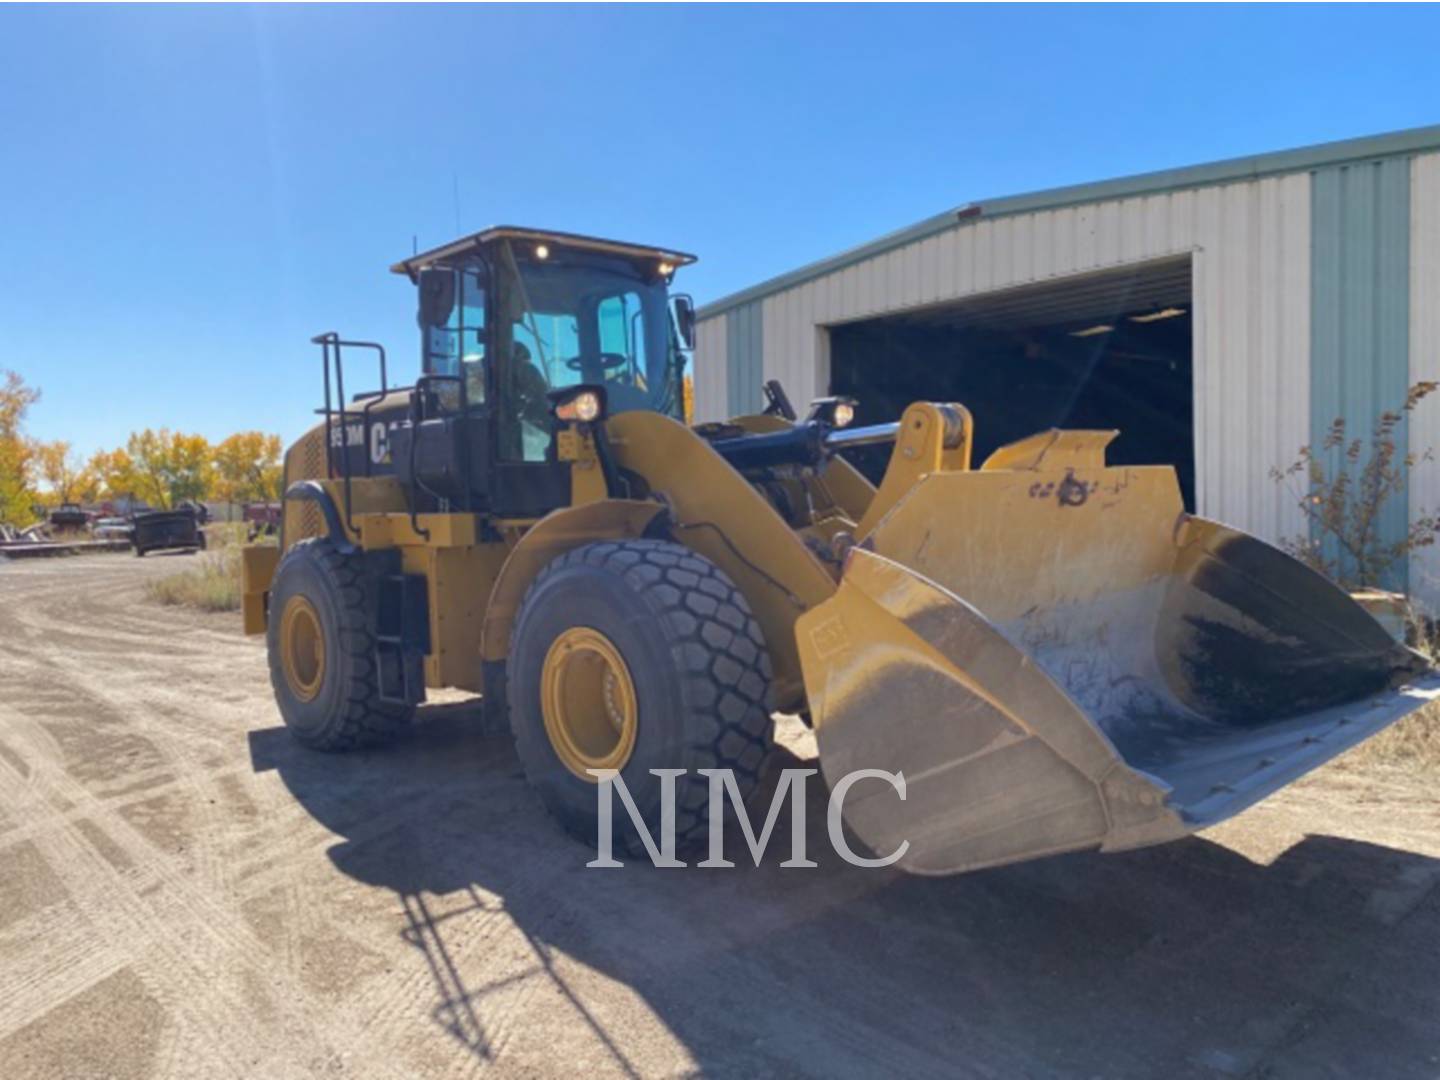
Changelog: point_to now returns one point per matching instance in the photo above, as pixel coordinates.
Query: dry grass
(212, 581)
(223, 534)
(1413, 743)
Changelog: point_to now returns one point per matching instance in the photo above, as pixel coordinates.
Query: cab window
(620, 335)
(540, 343)
(573, 317)
(455, 341)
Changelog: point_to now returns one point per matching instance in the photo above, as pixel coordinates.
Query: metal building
(1222, 315)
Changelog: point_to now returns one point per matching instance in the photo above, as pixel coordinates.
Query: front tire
(657, 642)
(322, 651)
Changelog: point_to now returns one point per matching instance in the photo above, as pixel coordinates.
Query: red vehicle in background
(263, 519)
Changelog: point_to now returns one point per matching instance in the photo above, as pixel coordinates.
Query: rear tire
(697, 666)
(322, 651)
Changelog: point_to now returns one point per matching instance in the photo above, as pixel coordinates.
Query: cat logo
(380, 442)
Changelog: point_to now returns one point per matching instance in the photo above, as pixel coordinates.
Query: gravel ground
(186, 893)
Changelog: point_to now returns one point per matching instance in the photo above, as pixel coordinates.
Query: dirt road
(185, 893)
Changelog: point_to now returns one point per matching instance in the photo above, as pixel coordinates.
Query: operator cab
(511, 318)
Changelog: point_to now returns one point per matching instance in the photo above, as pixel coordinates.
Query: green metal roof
(1303, 159)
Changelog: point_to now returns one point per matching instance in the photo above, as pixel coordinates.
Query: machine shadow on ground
(1187, 959)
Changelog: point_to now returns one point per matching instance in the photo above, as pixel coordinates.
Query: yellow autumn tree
(247, 468)
(66, 477)
(17, 495)
(169, 467)
(114, 473)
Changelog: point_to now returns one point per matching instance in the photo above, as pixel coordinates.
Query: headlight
(833, 411)
(583, 408)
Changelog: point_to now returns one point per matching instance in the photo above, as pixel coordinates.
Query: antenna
(414, 244)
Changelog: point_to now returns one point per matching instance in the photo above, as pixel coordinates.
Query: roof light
(541, 251)
(1156, 316)
(1091, 331)
(666, 269)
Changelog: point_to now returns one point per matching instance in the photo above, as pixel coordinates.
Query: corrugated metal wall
(1425, 363)
(743, 342)
(1360, 312)
(1251, 248)
(712, 400)
(1252, 350)
(728, 364)
(1316, 295)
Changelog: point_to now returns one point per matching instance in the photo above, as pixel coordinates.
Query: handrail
(328, 341)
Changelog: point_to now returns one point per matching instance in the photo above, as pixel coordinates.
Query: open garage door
(1103, 350)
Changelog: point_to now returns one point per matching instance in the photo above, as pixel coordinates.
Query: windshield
(576, 317)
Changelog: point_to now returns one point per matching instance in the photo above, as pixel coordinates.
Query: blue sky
(187, 194)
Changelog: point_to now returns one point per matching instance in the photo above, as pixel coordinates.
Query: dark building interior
(1108, 350)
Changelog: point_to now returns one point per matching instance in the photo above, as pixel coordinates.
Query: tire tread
(364, 720)
(715, 644)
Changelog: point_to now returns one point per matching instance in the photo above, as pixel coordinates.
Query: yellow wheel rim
(302, 648)
(588, 702)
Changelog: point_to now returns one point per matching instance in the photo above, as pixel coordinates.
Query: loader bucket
(1066, 660)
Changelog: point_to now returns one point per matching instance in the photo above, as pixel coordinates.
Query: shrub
(1344, 500)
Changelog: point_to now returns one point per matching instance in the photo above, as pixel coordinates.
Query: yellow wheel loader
(1054, 654)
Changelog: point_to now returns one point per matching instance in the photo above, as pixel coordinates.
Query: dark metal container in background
(167, 529)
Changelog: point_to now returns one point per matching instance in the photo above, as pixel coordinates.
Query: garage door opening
(1105, 350)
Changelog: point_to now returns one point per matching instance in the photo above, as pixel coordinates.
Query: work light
(833, 411)
(582, 407)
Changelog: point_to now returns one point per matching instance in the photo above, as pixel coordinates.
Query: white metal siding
(744, 344)
(1252, 350)
(1425, 363)
(711, 401)
(1251, 247)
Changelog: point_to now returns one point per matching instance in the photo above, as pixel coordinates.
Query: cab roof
(416, 263)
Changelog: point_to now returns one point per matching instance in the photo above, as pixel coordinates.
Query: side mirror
(684, 319)
(437, 296)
